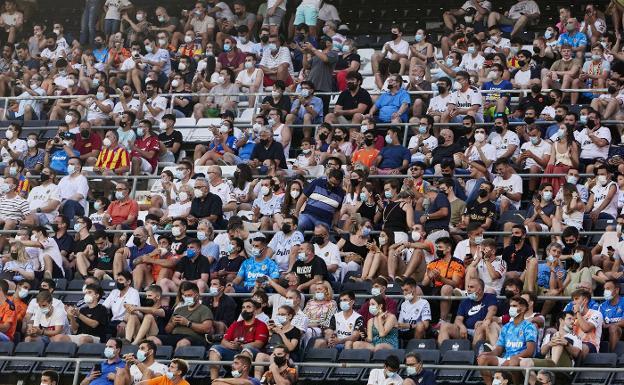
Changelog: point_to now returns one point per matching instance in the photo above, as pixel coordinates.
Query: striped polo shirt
(15, 208)
(322, 202)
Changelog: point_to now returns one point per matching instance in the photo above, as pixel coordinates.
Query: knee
(446, 290)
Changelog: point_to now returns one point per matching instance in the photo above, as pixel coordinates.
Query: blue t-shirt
(388, 104)
(543, 274)
(161, 55)
(245, 151)
(59, 159)
(577, 40)
(106, 370)
(230, 142)
(612, 313)
(101, 55)
(440, 201)
(317, 105)
(474, 311)
(251, 269)
(135, 252)
(493, 97)
(514, 338)
(592, 305)
(393, 156)
(322, 202)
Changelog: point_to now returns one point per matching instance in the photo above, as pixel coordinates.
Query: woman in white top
(161, 194)
(569, 211)
(281, 132)
(250, 79)
(99, 108)
(19, 267)
(181, 208)
(353, 186)
(243, 186)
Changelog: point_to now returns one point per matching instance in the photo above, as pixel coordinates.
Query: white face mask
(264, 190)
(479, 137)
(294, 194)
(187, 39)
(106, 142)
(69, 119)
(8, 134)
(31, 143)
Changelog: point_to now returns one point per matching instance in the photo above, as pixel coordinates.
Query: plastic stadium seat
(451, 357)
(206, 122)
(429, 356)
(164, 352)
(455, 345)
(191, 353)
(75, 285)
(357, 287)
(86, 351)
(108, 285)
(317, 373)
(246, 116)
(56, 349)
(29, 349)
(598, 360)
(125, 349)
(369, 83)
(514, 216)
(349, 355)
(416, 344)
(618, 378)
(72, 299)
(185, 122)
(6, 349)
(61, 283)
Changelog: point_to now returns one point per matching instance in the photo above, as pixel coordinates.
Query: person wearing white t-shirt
(250, 79)
(50, 257)
(504, 140)
(266, 205)
(480, 7)
(415, 312)
(497, 43)
(507, 186)
(44, 199)
(123, 295)
(48, 322)
(284, 245)
(140, 366)
(126, 102)
(328, 251)
(595, 140)
(12, 147)
(423, 142)
(603, 197)
(396, 50)
(151, 105)
(535, 154)
(438, 104)
(344, 327)
(480, 150)
(472, 61)
(487, 266)
(222, 188)
(465, 100)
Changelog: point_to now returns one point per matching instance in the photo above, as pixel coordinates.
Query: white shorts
(501, 361)
(541, 225)
(146, 166)
(400, 237)
(76, 338)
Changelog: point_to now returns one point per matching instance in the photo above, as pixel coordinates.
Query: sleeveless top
(349, 247)
(391, 338)
(394, 218)
(277, 136)
(367, 211)
(562, 157)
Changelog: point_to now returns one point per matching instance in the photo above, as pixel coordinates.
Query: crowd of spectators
(307, 202)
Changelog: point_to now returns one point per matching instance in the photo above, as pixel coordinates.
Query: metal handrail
(526, 370)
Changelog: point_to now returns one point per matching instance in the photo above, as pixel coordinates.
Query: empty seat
(75, 285)
(246, 116)
(61, 284)
(185, 122)
(513, 216)
(29, 349)
(164, 352)
(357, 287)
(416, 344)
(56, 349)
(349, 355)
(369, 83)
(452, 357)
(454, 345)
(6, 349)
(86, 351)
(108, 285)
(191, 353)
(317, 373)
(598, 360)
(125, 349)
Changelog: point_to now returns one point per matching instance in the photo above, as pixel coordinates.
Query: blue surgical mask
(188, 301)
(344, 305)
(363, 197)
(301, 257)
(109, 352)
(513, 312)
(375, 291)
(319, 296)
(373, 310)
(366, 231)
(388, 139)
(280, 319)
(472, 296)
(388, 194)
(578, 257)
(201, 235)
(141, 355)
(422, 129)
(227, 47)
(191, 253)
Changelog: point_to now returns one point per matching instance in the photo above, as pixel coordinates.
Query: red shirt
(239, 57)
(85, 146)
(148, 144)
(257, 331)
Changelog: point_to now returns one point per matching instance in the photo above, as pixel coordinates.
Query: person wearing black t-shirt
(227, 267)
(267, 148)
(103, 264)
(482, 210)
(170, 140)
(192, 266)
(85, 249)
(352, 104)
(206, 205)
(88, 324)
(277, 99)
(223, 307)
(520, 258)
(309, 268)
(180, 240)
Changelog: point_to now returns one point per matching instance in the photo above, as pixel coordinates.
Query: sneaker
(487, 347)
(457, 292)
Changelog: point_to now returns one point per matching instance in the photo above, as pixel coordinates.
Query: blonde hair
(22, 255)
(328, 290)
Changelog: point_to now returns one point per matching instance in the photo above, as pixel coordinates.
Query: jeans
(308, 222)
(71, 209)
(90, 17)
(111, 26)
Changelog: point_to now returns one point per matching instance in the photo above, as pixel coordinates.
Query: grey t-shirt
(321, 73)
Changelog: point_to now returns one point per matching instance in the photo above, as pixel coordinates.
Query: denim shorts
(228, 354)
(306, 14)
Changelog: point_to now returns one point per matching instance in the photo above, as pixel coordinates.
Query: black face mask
(137, 242)
(352, 86)
(444, 175)
(323, 136)
(14, 255)
(120, 286)
(611, 89)
(516, 239)
(483, 193)
(440, 253)
(394, 36)
(499, 129)
(286, 228)
(440, 140)
(509, 294)
(247, 315)
(570, 126)
(338, 138)
(355, 182)
(558, 118)
(591, 124)
(264, 38)
(522, 63)
(44, 177)
(264, 142)
(536, 50)
(85, 134)
(98, 44)
(529, 120)
(318, 240)
(148, 302)
(279, 361)
(571, 245)
(54, 227)
(441, 89)
(369, 142)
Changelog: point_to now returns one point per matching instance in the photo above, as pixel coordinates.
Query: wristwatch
(39, 209)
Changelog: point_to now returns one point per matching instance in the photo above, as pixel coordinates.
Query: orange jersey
(20, 308)
(8, 316)
(366, 156)
(448, 270)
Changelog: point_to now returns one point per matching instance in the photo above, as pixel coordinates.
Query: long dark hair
(288, 200)
(242, 176)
